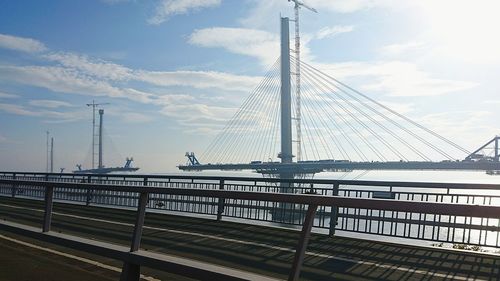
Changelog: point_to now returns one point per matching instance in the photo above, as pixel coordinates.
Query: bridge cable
(390, 110)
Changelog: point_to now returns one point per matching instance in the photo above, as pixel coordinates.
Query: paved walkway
(264, 250)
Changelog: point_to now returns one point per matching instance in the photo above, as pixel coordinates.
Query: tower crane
(297, 5)
(94, 106)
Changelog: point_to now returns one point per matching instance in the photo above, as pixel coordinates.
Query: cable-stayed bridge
(316, 122)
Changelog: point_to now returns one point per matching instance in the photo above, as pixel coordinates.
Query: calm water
(419, 176)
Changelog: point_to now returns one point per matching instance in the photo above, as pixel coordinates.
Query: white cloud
(55, 116)
(17, 109)
(168, 8)
(326, 31)
(21, 44)
(395, 78)
(347, 6)
(58, 79)
(49, 103)
(93, 67)
(263, 13)
(199, 79)
(8, 96)
(251, 42)
(401, 48)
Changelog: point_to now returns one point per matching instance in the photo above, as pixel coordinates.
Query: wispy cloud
(8, 96)
(251, 42)
(51, 115)
(49, 103)
(394, 78)
(257, 43)
(21, 44)
(331, 31)
(401, 48)
(93, 67)
(168, 8)
(198, 79)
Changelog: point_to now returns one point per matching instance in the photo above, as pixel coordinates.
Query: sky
(174, 71)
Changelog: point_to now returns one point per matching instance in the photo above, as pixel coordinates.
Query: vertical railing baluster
(131, 271)
(221, 202)
(47, 218)
(89, 191)
(334, 212)
(300, 252)
(14, 186)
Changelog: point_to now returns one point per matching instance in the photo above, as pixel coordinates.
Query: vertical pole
(496, 149)
(101, 113)
(51, 155)
(334, 214)
(305, 234)
(286, 99)
(220, 205)
(47, 219)
(93, 134)
(297, 85)
(131, 271)
(47, 152)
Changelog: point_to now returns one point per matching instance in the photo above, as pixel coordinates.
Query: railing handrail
(409, 184)
(480, 211)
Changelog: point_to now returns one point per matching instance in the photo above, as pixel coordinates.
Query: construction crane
(94, 106)
(297, 5)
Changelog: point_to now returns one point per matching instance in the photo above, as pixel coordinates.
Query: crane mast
(298, 115)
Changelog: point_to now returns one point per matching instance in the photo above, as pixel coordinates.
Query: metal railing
(142, 196)
(464, 229)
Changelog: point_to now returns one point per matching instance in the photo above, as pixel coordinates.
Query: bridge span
(335, 165)
(136, 219)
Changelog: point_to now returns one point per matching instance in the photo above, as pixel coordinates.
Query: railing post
(221, 202)
(14, 186)
(89, 191)
(132, 271)
(305, 234)
(334, 213)
(47, 218)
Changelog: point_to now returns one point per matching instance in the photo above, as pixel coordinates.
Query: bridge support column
(131, 271)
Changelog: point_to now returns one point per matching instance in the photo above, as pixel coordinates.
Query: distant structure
(378, 137)
(101, 169)
(480, 155)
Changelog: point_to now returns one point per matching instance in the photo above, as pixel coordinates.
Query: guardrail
(438, 228)
(143, 194)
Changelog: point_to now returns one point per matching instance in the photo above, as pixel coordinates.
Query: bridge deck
(260, 249)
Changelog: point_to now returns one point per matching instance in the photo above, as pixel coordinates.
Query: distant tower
(94, 136)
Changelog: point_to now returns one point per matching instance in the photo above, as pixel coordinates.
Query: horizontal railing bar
(320, 200)
(176, 265)
(246, 179)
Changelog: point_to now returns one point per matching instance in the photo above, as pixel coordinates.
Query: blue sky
(174, 71)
